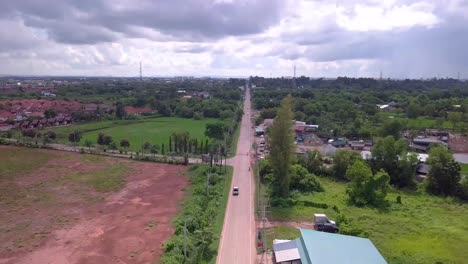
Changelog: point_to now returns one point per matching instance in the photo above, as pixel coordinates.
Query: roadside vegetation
(200, 223)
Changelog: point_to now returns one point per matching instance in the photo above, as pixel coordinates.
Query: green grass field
(464, 169)
(281, 232)
(423, 229)
(152, 130)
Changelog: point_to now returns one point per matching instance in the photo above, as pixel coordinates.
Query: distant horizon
(402, 39)
(218, 77)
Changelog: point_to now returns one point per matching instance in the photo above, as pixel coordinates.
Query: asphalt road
(238, 236)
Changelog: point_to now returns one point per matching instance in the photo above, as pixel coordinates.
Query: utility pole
(141, 73)
(294, 77)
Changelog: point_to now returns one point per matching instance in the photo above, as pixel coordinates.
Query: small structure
(286, 252)
(422, 170)
(339, 143)
(421, 144)
(357, 145)
(366, 155)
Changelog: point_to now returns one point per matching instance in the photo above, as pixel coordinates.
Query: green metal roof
(323, 248)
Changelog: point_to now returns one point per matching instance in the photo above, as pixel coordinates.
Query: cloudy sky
(323, 38)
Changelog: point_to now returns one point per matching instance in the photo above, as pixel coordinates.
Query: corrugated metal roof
(284, 245)
(286, 251)
(321, 247)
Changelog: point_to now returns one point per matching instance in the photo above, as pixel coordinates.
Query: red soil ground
(84, 226)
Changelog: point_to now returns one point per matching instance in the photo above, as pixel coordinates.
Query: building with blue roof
(316, 247)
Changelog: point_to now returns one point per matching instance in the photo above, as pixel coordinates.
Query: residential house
(357, 145)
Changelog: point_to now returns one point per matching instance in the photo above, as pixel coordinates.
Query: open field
(423, 229)
(59, 207)
(152, 130)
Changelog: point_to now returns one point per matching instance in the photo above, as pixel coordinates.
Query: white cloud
(405, 38)
(387, 17)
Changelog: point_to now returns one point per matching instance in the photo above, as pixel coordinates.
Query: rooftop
(321, 247)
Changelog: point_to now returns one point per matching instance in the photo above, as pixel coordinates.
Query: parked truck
(322, 223)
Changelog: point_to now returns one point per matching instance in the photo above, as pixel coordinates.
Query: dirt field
(62, 208)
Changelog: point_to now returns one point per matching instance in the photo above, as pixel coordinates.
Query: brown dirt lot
(52, 210)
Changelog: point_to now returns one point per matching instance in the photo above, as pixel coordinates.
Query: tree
(455, 118)
(413, 110)
(163, 150)
(154, 149)
(312, 161)
(391, 128)
(146, 146)
(29, 133)
(366, 188)
(51, 135)
(50, 113)
(107, 140)
(74, 137)
(100, 139)
(444, 174)
(342, 160)
(170, 144)
(215, 130)
(303, 180)
(282, 147)
(391, 156)
(120, 110)
(88, 143)
(124, 143)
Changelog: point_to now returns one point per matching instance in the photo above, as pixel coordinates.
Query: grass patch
(221, 212)
(103, 180)
(15, 161)
(464, 169)
(281, 232)
(423, 229)
(235, 139)
(137, 132)
(204, 215)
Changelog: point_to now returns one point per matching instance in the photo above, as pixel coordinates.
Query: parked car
(235, 191)
(322, 223)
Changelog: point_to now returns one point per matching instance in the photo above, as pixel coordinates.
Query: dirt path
(297, 225)
(128, 226)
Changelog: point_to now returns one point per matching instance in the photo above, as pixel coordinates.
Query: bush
(348, 229)
(282, 202)
(312, 204)
(304, 181)
(464, 188)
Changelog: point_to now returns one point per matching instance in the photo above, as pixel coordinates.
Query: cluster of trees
(280, 170)
(163, 97)
(347, 107)
(180, 142)
(369, 180)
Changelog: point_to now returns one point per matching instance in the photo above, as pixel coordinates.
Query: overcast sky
(323, 38)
